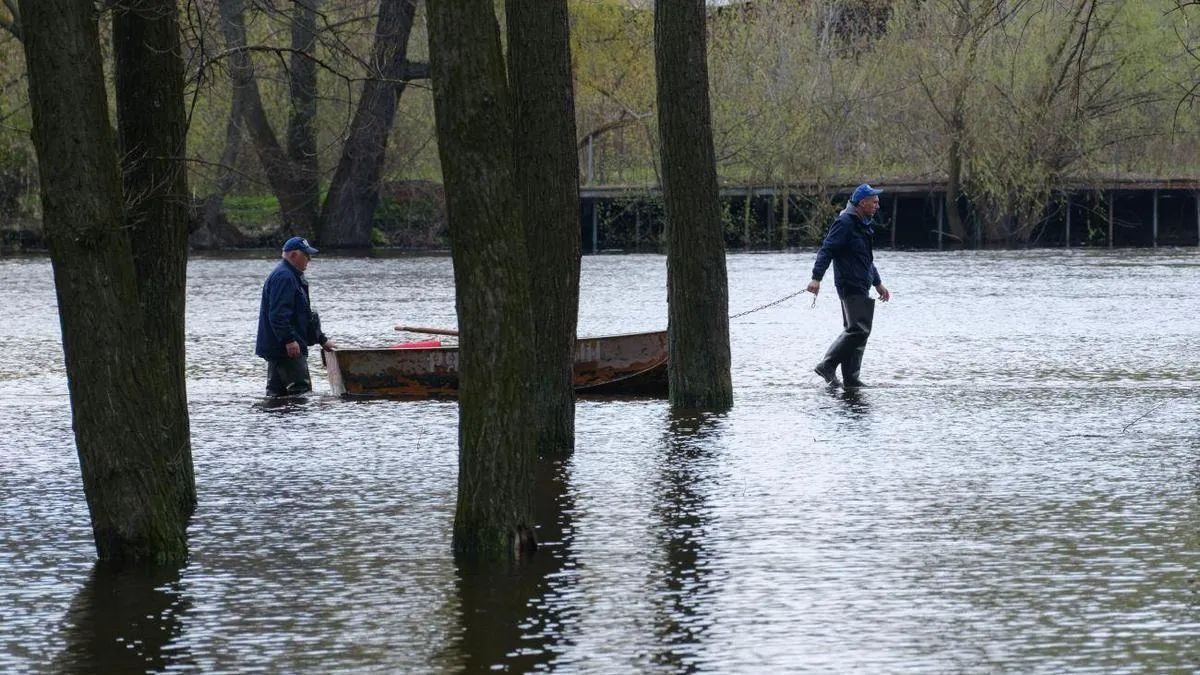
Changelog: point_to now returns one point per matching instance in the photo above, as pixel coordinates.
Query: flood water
(1020, 491)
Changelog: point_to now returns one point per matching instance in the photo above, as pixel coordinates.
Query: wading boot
(834, 356)
(858, 313)
(828, 372)
(850, 370)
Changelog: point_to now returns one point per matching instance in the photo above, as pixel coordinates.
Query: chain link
(770, 304)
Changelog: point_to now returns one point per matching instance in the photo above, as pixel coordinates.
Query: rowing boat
(633, 364)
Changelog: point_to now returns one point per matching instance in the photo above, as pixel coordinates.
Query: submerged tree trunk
(134, 478)
(152, 130)
(354, 192)
(547, 174)
(496, 429)
(697, 288)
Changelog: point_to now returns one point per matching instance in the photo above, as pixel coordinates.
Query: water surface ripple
(1020, 491)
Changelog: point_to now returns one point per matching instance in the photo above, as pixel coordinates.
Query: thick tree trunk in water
(152, 129)
(349, 209)
(496, 430)
(697, 288)
(547, 173)
(133, 478)
(297, 207)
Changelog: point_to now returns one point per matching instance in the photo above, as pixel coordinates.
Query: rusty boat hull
(633, 364)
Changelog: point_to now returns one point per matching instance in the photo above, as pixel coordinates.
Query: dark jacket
(285, 314)
(848, 247)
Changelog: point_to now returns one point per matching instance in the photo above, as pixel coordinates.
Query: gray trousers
(858, 312)
(288, 377)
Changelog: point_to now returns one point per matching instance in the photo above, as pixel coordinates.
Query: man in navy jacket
(286, 323)
(848, 247)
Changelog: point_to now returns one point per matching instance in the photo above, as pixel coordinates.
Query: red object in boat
(419, 344)
(633, 364)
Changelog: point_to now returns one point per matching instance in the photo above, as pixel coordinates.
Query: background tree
(950, 81)
(117, 299)
(496, 432)
(697, 288)
(10, 18)
(290, 170)
(547, 181)
(613, 61)
(1062, 112)
(293, 169)
(349, 210)
(824, 93)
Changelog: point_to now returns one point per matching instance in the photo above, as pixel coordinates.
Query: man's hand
(293, 349)
(884, 293)
(329, 345)
(814, 287)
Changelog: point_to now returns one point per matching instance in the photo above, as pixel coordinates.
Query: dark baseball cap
(298, 244)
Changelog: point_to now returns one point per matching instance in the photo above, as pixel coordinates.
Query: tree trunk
(132, 475)
(697, 289)
(301, 129)
(492, 595)
(547, 174)
(152, 142)
(214, 230)
(297, 207)
(353, 196)
(475, 142)
(954, 183)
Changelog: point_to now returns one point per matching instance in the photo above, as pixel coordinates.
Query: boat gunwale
(456, 347)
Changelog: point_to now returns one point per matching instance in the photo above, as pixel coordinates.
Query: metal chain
(770, 304)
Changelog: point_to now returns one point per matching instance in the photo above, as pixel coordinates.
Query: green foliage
(252, 209)
(803, 92)
(413, 223)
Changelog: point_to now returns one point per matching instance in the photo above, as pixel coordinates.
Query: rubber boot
(858, 313)
(836, 353)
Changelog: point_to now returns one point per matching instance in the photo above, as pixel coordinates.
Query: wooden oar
(430, 331)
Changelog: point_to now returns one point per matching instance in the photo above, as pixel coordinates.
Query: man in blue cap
(287, 325)
(848, 247)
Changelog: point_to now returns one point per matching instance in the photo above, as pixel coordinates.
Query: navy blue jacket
(848, 247)
(285, 314)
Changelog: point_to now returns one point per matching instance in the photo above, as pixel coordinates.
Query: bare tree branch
(12, 21)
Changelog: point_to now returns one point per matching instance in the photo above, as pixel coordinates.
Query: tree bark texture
(298, 208)
(475, 142)
(152, 144)
(697, 288)
(349, 210)
(302, 96)
(131, 475)
(954, 221)
(213, 229)
(547, 174)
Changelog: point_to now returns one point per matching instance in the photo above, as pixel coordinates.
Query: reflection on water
(511, 615)
(124, 621)
(684, 585)
(1018, 491)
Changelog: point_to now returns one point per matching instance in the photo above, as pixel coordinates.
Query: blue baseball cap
(298, 244)
(862, 192)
